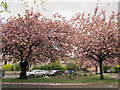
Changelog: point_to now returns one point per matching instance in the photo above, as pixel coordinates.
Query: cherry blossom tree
(33, 38)
(59, 35)
(96, 39)
(21, 36)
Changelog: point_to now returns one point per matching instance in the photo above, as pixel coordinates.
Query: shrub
(45, 67)
(63, 69)
(74, 74)
(72, 66)
(51, 66)
(80, 75)
(106, 68)
(91, 73)
(115, 69)
(35, 67)
(18, 67)
(85, 74)
(8, 67)
(67, 75)
(63, 75)
(70, 75)
(56, 66)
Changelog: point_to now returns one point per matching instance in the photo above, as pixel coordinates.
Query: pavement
(57, 85)
(115, 76)
(10, 76)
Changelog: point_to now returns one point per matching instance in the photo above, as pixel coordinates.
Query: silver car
(36, 73)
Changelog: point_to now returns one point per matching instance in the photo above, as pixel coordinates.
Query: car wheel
(48, 75)
(31, 75)
(43, 75)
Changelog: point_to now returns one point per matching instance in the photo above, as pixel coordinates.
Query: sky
(66, 8)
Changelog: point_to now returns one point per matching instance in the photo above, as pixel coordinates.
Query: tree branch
(103, 57)
(93, 58)
(15, 53)
(30, 48)
(95, 54)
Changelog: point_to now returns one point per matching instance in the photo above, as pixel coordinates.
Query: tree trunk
(96, 70)
(101, 71)
(23, 69)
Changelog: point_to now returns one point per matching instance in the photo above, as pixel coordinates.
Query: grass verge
(91, 79)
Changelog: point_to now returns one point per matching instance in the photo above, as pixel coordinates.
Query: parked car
(69, 71)
(37, 73)
(54, 73)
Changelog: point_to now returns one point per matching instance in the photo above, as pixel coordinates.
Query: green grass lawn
(90, 79)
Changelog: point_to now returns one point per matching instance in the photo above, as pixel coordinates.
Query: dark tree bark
(24, 65)
(96, 70)
(23, 69)
(101, 71)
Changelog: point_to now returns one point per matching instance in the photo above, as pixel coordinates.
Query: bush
(8, 67)
(80, 75)
(56, 66)
(45, 67)
(52, 66)
(63, 69)
(106, 68)
(35, 67)
(91, 73)
(70, 75)
(72, 66)
(67, 75)
(74, 74)
(85, 74)
(17, 68)
(115, 69)
(63, 75)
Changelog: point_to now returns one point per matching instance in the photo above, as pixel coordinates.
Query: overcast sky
(66, 8)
